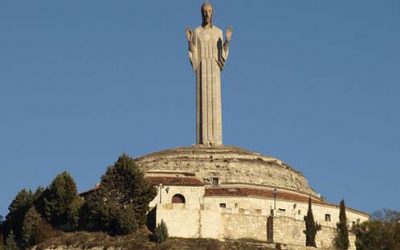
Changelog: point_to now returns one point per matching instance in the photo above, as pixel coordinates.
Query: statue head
(206, 13)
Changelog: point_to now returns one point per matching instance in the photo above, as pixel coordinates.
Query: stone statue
(207, 53)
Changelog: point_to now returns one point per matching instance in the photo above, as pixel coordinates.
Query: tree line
(117, 206)
(381, 232)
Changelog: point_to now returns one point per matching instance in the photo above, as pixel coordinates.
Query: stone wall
(238, 226)
(215, 224)
(244, 217)
(189, 222)
(194, 196)
(290, 231)
(287, 208)
(211, 224)
(181, 222)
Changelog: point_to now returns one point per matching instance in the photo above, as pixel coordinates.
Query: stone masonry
(229, 164)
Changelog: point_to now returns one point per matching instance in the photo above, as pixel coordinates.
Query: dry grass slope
(140, 241)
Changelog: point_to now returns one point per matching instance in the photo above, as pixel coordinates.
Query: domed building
(214, 191)
(226, 192)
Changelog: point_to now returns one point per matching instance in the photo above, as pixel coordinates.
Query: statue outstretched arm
(224, 47)
(228, 38)
(193, 55)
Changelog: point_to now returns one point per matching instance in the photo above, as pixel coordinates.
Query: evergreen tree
(17, 210)
(124, 184)
(11, 243)
(38, 193)
(342, 239)
(160, 233)
(311, 227)
(121, 202)
(30, 227)
(125, 222)
(60, 203)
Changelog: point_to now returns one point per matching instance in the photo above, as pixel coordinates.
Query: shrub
(375, 234)
(160, 232)
(44, 231)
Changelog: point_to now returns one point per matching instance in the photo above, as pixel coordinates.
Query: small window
(327, 217)
(215, 181)
(223, 205)
(299, 212)
(178, 198)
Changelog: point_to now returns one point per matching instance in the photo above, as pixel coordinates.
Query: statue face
(206, 13)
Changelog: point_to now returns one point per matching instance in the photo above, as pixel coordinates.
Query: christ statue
(207, 53)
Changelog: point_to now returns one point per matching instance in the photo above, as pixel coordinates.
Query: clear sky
(313, 83)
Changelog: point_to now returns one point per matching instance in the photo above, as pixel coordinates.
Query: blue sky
(314, 83)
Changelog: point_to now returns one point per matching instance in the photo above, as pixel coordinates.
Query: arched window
(178, 198)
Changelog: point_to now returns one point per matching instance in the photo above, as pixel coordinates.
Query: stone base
(232, 165)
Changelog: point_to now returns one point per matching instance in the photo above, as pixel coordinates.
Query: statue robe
(208, 58)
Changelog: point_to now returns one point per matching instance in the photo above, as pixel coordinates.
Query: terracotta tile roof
(242, 192)
(174, 181)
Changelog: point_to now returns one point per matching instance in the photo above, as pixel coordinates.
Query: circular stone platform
(232, 165)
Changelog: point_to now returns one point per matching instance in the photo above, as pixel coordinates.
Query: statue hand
(189, 34)
(229, 33)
